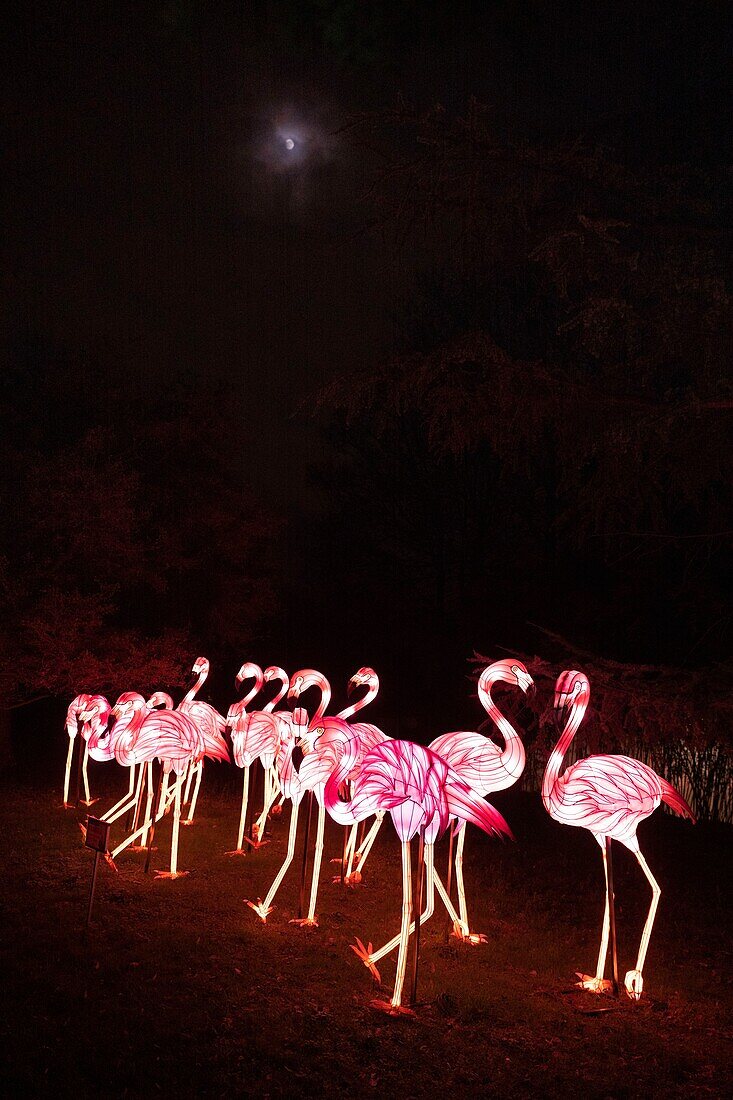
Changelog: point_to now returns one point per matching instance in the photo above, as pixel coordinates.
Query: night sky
(160, 239)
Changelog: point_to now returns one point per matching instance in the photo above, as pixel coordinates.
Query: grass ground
(179, 990)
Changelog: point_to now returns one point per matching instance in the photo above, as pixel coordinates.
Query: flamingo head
(93, 708)
(248, 671)
(523, 678)
(571, 687)
(306, 678)
(273, 672)
(128, 704)
(307, 738)
(200, 667)
(366, 676)
(160, 698)
(297, 685)
(508, 671)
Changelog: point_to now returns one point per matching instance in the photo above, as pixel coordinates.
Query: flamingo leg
(174, 872)
(163, 799)
(189, 778)
(67, 773)
(88, 800)
(126, 798)
(460, 930)
(347, 856)
(149, 803)
(133, 836)
(633, 981)
(311, 920)
(126, 803)
(460, 886)
(272, 789)
(364, 849)
(262, 908)
(396, 1001)
(199, 769)
(460, 922)
(599, 984)
(351, 848)
(239, 851)
(370, 958)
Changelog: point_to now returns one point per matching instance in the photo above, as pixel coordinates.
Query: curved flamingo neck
(317, 679)
(282, 676)
(513, 756)
(259, 680)
(338, 776)
(125, 734)
(578, 707)
(193, 692)
(371, 694)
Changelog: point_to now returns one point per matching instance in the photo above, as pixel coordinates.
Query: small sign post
(96, 838)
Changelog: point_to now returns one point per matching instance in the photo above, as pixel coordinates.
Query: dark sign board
(97, 834)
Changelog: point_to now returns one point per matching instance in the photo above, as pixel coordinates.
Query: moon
(289, 144)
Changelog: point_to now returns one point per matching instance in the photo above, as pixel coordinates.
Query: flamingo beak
(352, 686)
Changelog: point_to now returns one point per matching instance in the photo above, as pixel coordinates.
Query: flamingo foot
(91, 801)
(593, 984)
(305, 922)
(83, 829)
(365, 954)
(170, 874)
(390, 1009)
(111, 862)
(255, 843)
(260, 910)
(634, 984)
(141, 848)
(353, 879)
(237, 852)
(188, 821)
(472, 938)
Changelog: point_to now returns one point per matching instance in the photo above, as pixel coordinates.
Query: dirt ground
(179, 990)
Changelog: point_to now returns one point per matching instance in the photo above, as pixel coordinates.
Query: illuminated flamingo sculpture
(212, 726)
(256, 736)
(301, 681)
(141, 736)
(133, 795)
(609, 796)
(292, 788)
(97, 710)
(482, 764)
(421, 793)
(369, 735)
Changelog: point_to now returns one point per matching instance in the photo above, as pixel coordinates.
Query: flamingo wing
(603, 793)
(476, 759)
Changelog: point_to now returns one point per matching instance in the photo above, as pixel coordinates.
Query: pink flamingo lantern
(482, 764)
(292, 788)
(140, 736)
(256, 736)
(369, 735)
(301, 681)
(609, 796)
(212, 726)
(421, 793)
(133, 794)
(96, 709)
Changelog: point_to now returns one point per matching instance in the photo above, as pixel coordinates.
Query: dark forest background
(453, 381)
